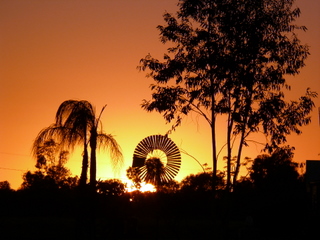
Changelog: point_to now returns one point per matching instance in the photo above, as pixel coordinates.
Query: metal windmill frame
(161, 148)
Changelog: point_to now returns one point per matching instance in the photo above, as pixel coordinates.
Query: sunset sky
(55, 50)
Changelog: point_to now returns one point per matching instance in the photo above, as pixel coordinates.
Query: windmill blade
(157, 147)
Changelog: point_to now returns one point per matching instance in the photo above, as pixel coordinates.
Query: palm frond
(75, 124)
(108, 142)
(44, 135)
(65, 137)
(75, 114)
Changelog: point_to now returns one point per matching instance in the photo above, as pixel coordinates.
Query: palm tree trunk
(85, 161)
(93, 158)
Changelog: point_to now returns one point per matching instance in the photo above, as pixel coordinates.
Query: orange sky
(51, 51)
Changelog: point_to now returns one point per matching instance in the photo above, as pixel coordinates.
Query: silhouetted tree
(77, 123)
(51, 172)
(111, 187)
(202, 182)
(133, 175)
(5, 186)
(278, 192)
(153, 173)
(172, 186)
(37, 181)
(276, 171)
(155, 169)
(230, 58)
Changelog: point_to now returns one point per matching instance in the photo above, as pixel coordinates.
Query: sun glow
(145, 187)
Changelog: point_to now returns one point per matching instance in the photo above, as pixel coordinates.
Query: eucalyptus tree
(77, 123)
(230, 58)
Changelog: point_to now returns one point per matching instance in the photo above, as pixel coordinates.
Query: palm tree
(76, 123)
(155, 172)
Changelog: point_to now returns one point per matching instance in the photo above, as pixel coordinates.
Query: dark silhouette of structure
(313, 183)
(157, 159)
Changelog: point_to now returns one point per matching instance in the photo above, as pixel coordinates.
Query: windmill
(157, 159)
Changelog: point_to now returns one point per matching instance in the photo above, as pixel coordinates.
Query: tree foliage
(202, 182)
(276, 171)
(77, 123)
(111, 187)
(51, 173)
(5, 186)
(133, 175)
(231, 58)
(154, 170)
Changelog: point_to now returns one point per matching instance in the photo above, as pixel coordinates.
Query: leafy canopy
(231, 58)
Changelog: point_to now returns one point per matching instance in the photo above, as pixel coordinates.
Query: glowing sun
(145, 187)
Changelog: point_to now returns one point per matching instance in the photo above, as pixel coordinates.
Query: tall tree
(230, 58)
(77, 123)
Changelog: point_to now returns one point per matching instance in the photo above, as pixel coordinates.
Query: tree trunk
(229, 152)
(93, 161)
(85, 162)
(243, 136)
(214, 151)
(237, 168)
(84, 170)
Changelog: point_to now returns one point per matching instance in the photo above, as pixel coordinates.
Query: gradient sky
(51, 51)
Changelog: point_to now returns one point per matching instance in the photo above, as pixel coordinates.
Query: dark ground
(26, 215)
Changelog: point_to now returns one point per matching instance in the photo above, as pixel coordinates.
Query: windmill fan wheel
(157, 159)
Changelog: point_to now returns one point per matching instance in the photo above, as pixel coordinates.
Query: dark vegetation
(271, 203)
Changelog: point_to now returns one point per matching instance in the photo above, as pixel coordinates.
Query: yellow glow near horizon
(145, 187)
